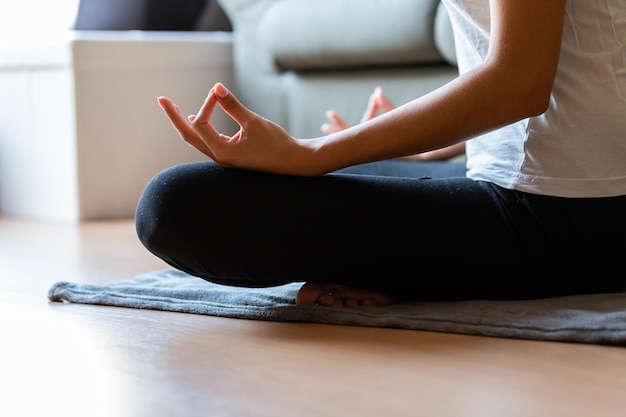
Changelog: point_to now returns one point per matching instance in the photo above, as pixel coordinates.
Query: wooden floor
(81, 360)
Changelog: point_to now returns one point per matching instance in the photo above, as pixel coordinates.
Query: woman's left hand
(378, 103)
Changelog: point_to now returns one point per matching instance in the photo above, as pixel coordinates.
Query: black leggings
(422, 231)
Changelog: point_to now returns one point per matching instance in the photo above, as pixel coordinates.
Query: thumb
(233, 107)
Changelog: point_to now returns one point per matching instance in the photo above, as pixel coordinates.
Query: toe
(317, 293)
(309, 293)
(351, 302)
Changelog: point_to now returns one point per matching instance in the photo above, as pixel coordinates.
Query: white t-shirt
(577, 148)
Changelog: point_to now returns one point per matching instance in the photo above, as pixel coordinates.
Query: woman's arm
(377, 104)
(513, 83)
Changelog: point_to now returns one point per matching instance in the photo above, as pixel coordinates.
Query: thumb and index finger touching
(190, 127)
(219, 94)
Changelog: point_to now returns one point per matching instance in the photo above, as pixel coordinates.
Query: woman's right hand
(260, 144)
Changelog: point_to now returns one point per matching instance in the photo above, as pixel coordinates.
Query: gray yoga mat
(593, 319)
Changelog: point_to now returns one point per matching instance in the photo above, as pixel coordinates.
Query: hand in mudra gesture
(259, 144)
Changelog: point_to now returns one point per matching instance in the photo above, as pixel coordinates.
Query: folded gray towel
(594, 318)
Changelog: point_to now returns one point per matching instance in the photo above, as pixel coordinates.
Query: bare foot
(332, 295)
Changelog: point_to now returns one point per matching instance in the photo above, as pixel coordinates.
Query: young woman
(540, 104)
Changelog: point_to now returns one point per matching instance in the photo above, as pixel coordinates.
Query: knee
(161, 207)
(171, 204)
(151, 211)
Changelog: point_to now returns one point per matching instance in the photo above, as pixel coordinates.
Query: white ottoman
(80, 129)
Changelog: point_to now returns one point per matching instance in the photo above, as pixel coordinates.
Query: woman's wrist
(311, 159)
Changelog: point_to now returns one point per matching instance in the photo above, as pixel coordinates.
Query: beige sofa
(294, 59)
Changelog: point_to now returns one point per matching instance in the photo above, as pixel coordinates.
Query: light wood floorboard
(85, 360)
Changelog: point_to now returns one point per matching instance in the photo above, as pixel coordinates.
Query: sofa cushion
(307, 35)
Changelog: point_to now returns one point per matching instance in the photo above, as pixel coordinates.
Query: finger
(206, 110)
(176, 118)
(181, 124)
(197, 141)
(371, 110)
(207, 135)
(383, 103)
(203, 118)
(328, 128)
(233, 107)
(337, 120)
